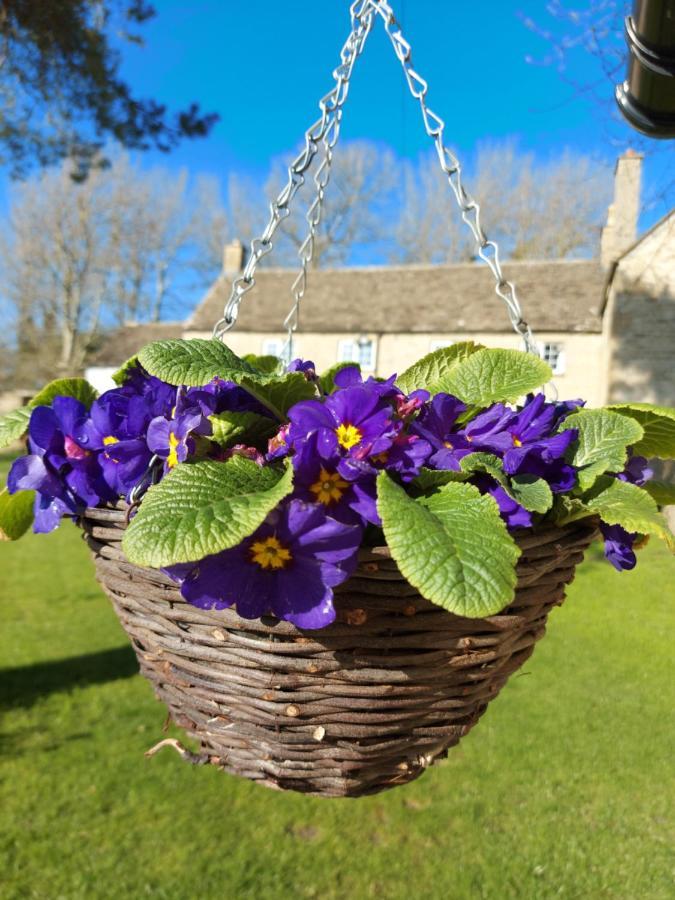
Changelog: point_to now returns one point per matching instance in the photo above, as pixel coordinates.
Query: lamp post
(647, 96)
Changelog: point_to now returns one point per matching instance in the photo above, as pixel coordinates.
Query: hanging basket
(361, 706)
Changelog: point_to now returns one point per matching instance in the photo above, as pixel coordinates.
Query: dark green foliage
(61, 90)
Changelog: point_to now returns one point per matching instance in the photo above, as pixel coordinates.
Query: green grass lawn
(563, 790)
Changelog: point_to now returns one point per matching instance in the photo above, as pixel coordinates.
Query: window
(272, 347)
(438, 345)
(554, 355)
(358, 350)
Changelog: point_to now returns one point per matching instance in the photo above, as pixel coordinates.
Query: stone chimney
(233, 259)
(622, 216)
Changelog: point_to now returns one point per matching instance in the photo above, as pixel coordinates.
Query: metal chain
(331, 109)
(434, 126)
(362, 16)
(313, 218)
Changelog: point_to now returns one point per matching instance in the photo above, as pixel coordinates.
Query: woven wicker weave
(361, 706)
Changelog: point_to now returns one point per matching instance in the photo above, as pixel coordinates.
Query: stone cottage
(606, 326)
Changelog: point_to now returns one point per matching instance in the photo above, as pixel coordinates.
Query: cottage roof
(559, 295)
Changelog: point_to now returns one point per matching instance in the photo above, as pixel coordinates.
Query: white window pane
(554, 355)
(366, 355)
(347, 351)
(272, 347)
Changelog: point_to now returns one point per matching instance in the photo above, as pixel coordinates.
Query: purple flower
(619, 546)
(219, 396)
(353, 422)
(306, 366)
(515, 515)
(318, 480)
(173, 439)
(637, 471)
(351, 376)
(64, 472)
(116, 428)
(435, 423)
(158, 397)
(288, 567)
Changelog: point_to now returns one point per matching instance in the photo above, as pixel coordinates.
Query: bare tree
(77, 258)
(533, 210)
(355, 208)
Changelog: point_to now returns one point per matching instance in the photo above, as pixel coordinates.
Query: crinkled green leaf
(663, 492)
(452, 546)
(191, 362)
(431, 479)
(658, 424)
(120, 376)
(569, 509)
(486, 463)
(278, 392)
(604, 437)
(266, 365)
(531, 492)
(431, 372)
(249, 428)
(491, 375)
(327, 380)
(78, 388)
(202, 508)
(14, 425)
(621, 503)
(534, 494)
(16, 514)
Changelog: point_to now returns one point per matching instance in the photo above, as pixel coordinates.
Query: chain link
(322, 130)
(313, 218)
(362, 17)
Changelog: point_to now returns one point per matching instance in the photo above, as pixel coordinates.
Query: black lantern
(647, 96)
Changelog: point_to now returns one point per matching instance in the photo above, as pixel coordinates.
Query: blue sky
(262, 65)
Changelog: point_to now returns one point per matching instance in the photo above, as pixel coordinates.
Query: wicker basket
(361, 706)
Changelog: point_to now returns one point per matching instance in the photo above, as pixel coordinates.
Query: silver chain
(313, 218)
(362, 16)
(329, 105)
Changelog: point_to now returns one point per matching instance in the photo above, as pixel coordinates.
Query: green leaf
(14, 425)
(266, 365)
(78, 388)
(16, 514)
(278, 393)
(663, 492)
(604, 437)
(531, 492)
(491, 375)
(534, 494)
(231, 428)
(431, 479)
(484, 462)
(621, 503)
(202, 508)
(453, 546)
(191, 362)
(120, 376)
(327, 380)
(569, 509)
(658, 424)
(431, 372)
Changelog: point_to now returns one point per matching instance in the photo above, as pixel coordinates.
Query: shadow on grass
(23, 685)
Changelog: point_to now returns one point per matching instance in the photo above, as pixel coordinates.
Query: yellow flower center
(270, 554)
(110, 439)
(516, 442)
(380, 457)
(172, 458)
(348, 436)
(329, 487)
(448, 445)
